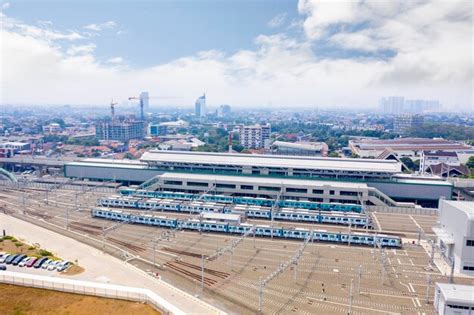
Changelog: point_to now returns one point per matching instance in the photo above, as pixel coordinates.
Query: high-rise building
(255, 137)
(120, 130)
(200, 106)
(223, 111)
(404, 124)
(145, 98)
(392, 105)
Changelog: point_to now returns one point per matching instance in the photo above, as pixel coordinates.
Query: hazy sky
(244, 53)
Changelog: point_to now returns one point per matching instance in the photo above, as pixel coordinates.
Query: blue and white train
(249, 211)
(309, 205)
(260, 230)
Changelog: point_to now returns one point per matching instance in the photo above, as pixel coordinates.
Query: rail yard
(244, 272)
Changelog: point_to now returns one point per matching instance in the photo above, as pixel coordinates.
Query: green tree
(470, 163)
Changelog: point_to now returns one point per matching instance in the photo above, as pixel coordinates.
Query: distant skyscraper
(392, 105)
(223, 111)
(145, 98)
(200, 106)
(403, 124)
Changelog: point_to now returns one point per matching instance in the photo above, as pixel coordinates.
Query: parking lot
(388, 281)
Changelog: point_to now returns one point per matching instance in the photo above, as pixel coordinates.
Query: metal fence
(66, 186)
(90, 288)
(421, 211)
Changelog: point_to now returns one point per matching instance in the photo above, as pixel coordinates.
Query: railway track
(183, 252)
(135, 248)
(175, 266)
(213, 272)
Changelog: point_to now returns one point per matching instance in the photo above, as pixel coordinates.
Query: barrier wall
(420, 211)
(90, 288)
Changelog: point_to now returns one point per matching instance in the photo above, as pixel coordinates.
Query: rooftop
(302, 145)
(277, 161)
(457, 293)
(466, 206)
(408, 144)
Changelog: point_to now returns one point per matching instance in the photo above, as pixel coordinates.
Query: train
(304, 204)
(260, 230)
(250, 211)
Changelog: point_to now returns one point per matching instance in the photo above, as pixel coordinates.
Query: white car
(46, 263)
(3, 258)
(24, 262)
(53, 265)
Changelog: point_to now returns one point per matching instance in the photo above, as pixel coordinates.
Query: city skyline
(293, 53)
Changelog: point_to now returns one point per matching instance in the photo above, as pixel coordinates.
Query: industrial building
(409, 147)
(454, 299)
(455, 234)
(345, 180)
(120, 130)
(300, 148)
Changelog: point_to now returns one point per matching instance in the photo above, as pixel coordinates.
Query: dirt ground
(23, 300)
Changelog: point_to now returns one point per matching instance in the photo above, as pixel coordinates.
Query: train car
(260, 230)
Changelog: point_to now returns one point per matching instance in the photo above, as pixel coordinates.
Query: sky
(282, 53)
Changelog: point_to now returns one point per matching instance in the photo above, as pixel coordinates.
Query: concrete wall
(109, 173)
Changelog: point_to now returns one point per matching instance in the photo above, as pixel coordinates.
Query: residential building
(52, 128)
(454, 299)
(8, 149)
(255, 136)
(200, 107)
(300, 148)
(169, 127)
(404, 124)
(455, 234)
(392, 105)
(120, 130)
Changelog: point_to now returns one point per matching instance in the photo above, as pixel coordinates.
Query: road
(101, 267)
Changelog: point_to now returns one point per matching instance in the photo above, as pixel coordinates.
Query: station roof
(277, 161)
(457, 293)
(465, 206)
(250, 180)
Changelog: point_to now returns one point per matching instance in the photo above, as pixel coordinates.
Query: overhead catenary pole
(351, 297)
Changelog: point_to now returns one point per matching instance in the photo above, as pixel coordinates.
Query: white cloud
(100, 27)
(81, 49)
(5, 5)
(430, 57)
(277, 21)
(115, 60)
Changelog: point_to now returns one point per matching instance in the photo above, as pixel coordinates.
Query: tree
(470, 163)
(333, 154)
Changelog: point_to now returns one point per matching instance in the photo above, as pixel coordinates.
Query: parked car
(31, 262)
(4, 257)
(64, 265)
(17, 260)
(24, 262)
(11, 258)
(46, 263)
(53, 265)
(3, 267)
(40, 262)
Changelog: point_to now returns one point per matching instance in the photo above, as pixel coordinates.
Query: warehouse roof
(457, 293)
(277, 161)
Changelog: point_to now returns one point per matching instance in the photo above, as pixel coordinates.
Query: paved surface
(99, 267)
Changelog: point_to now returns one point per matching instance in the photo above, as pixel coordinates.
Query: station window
(198, 184)
(468, 268)
(348, 193)
(470, 243)
(173, 182)
(318, 191)
(269, 188)
(458, 306)
(229, 186)
(246, 187)
(297, 190)
(332, 192)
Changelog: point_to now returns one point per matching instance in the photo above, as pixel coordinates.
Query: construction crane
(140, 98)
(112, 109)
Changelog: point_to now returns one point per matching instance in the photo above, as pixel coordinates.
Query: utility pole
(451, 276)
(260, 297)
(360, 276)
(202, 273)
(428, 290)
(351, 297)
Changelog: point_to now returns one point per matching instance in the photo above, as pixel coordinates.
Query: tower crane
(112, 109)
